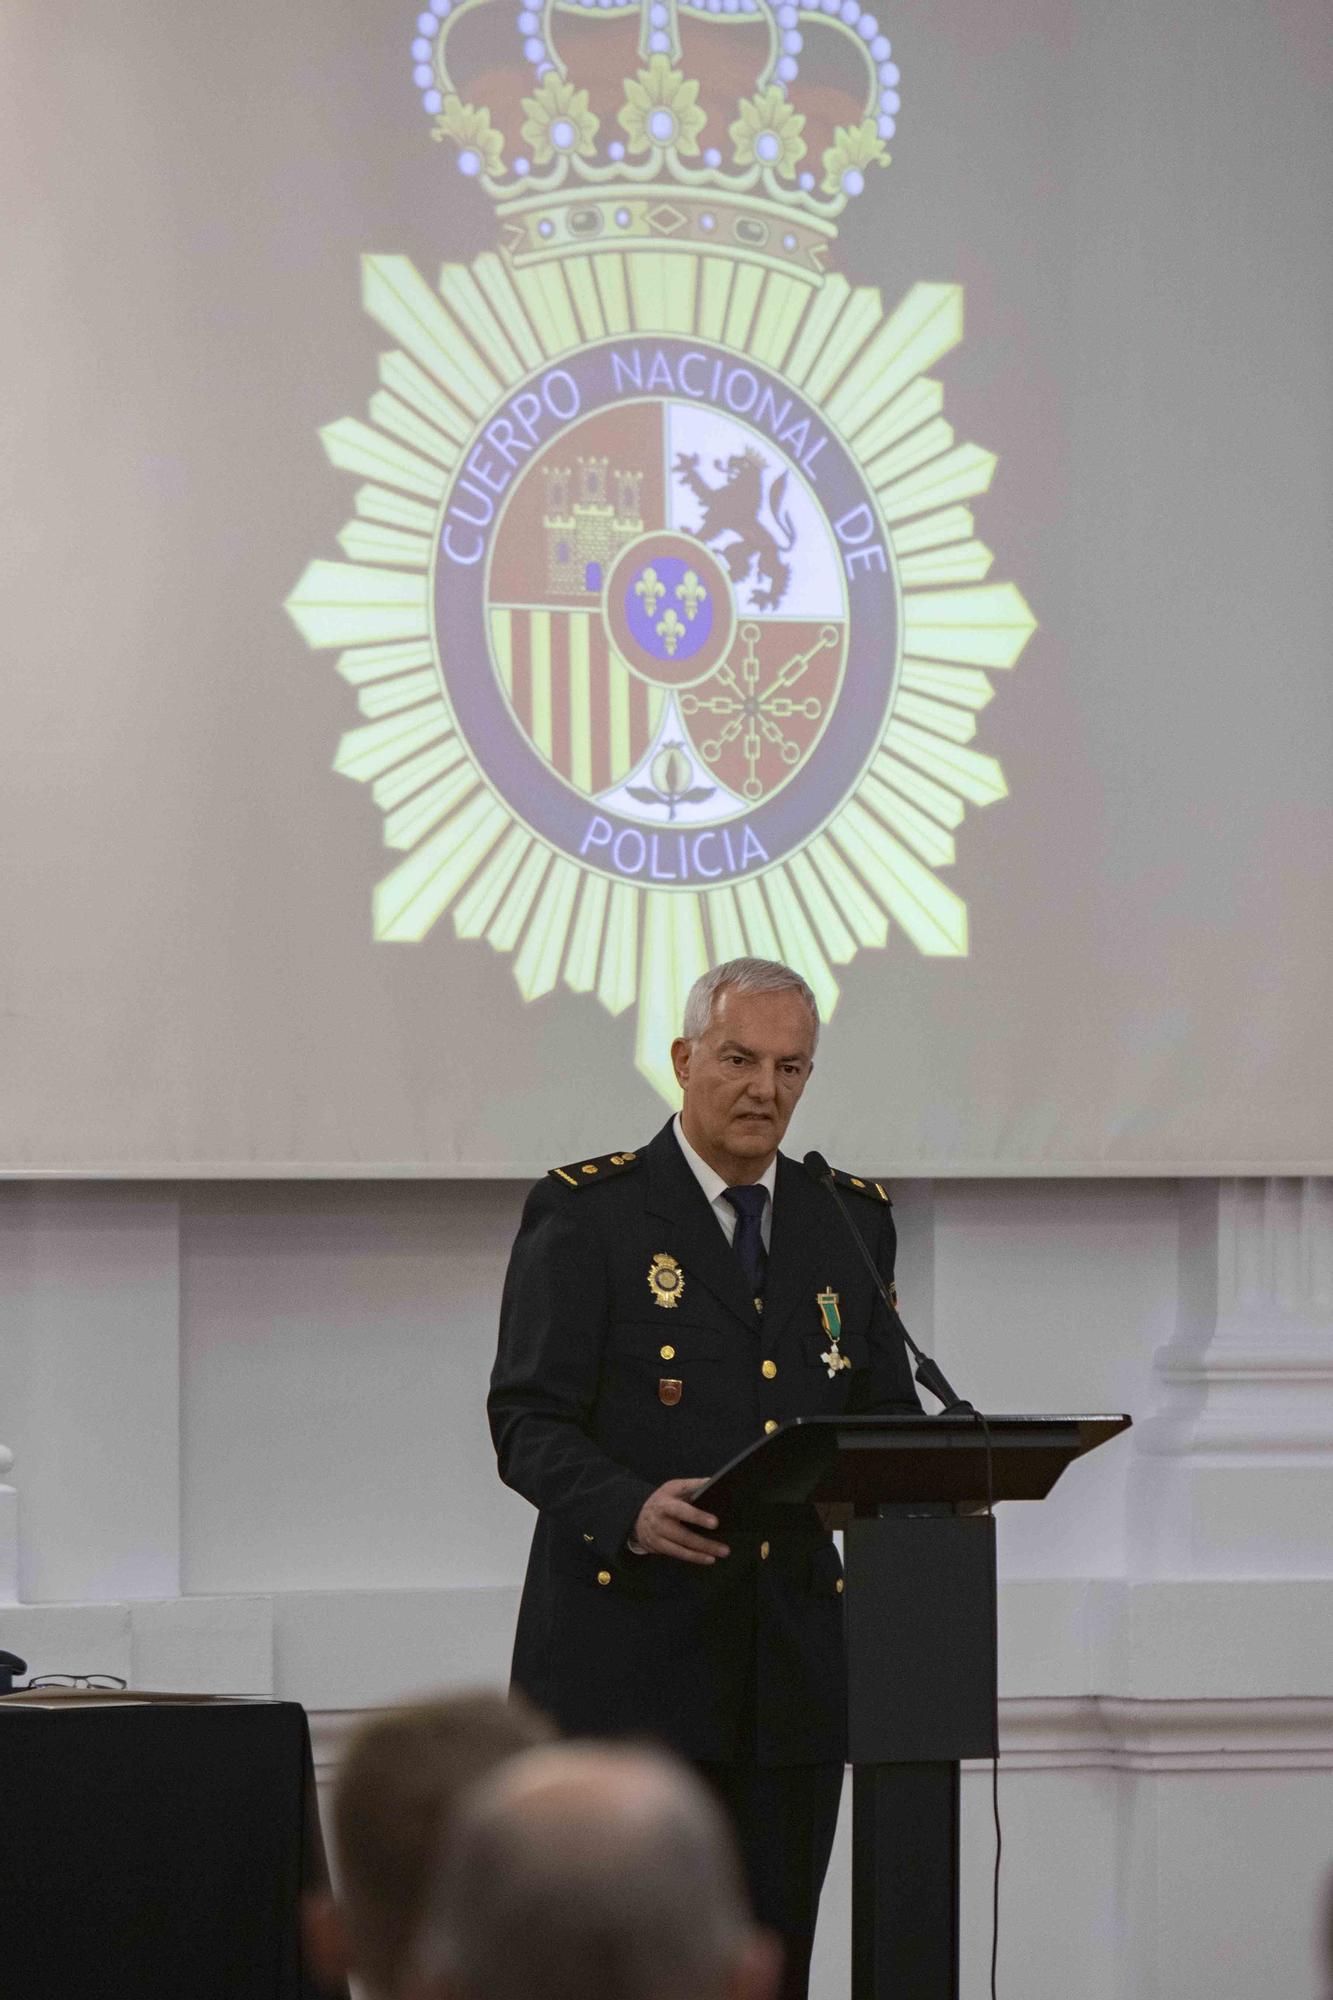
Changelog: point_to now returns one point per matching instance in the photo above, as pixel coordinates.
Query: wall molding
(1164, 1738)
(1081, 1733)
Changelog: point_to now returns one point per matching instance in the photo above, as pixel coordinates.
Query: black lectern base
(905, 1881)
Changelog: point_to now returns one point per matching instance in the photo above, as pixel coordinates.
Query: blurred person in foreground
(401, 1781)
(587, 1872)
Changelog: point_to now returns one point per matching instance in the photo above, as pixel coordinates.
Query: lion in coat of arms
(733, 517)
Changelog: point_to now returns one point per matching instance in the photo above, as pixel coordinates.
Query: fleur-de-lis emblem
(670, 631)
(650, 588)
(691, 594)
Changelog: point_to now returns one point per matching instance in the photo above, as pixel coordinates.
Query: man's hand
(667, 1525)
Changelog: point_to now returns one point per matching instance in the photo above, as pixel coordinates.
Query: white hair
(587, 1872)
(742, 975)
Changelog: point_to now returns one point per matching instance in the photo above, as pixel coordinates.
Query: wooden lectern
(914, 1493)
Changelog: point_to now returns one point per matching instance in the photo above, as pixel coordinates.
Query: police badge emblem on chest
(666, 1280)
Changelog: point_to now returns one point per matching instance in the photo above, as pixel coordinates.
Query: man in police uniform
(663, 1309)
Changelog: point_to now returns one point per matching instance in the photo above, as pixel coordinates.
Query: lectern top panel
(881, 1461)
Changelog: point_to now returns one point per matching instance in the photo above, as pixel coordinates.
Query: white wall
(250, 1454)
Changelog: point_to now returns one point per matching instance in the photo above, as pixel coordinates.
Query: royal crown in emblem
(662, 600)
(697, 124)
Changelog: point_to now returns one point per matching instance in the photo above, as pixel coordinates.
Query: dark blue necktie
(748, 1242)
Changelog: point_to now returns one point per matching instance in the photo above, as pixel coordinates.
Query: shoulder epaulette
(587, 1173)
(855, 1184)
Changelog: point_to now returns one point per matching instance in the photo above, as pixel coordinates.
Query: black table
(155, 1847)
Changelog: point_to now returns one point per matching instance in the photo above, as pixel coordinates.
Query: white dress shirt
(714, 1188)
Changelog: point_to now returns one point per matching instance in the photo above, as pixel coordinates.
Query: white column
(1235, 1462)
(90, 1385)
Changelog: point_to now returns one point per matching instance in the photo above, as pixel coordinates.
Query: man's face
(743, 1079)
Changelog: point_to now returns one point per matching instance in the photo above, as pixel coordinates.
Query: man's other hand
(667, 1525)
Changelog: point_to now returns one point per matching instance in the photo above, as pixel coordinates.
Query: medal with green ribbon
(834, 1359)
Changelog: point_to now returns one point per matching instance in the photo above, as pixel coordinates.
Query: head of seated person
(591, 1872)
(399, 1784)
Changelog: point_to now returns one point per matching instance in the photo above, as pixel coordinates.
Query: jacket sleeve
(887, 1387)
(554, 1317)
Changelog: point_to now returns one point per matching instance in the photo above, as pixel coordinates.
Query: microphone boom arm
(927, 1372)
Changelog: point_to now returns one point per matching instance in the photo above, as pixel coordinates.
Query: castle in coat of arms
(662, 598)
(591, 512)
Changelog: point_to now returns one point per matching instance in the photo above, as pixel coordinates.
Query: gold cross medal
(834, 1359)
(666, 1280)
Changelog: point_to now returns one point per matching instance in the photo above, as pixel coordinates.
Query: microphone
(927, 1372)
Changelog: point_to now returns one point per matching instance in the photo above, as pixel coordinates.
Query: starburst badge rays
(634, 919)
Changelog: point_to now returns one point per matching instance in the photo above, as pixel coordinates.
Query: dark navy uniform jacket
(600, 1392)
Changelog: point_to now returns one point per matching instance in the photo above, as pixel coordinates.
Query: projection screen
(507, 506)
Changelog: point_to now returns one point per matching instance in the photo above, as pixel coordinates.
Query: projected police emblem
(662, 600)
